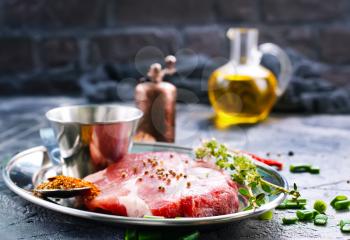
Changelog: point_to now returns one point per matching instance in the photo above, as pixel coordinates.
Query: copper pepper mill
(157, 99)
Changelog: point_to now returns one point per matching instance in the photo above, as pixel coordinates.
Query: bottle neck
(244, 46)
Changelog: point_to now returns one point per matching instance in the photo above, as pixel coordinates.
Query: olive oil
(245, 95)
(242, 91)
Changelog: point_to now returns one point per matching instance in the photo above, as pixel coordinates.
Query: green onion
(315, 213)
(131, 234)
(337, 199)
(341, 205)
(343, 222)
(292, 204)
(305, 215)
(150, 235)
(289, 220)
(345, 228)
(345, 225)
(300, 168)
(300, 200)
(266, 215)
(192, 236)
(314, 170)
(320, 206)
(321, 219)
(281, 206)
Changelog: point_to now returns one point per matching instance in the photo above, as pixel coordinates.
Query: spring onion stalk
(345, 225)
(305, 215)
(337, 199)
(314, 170)
(342, 205)
(266, 215)
(320, 219)
(289, 220)
(301, 168)
(293, 204)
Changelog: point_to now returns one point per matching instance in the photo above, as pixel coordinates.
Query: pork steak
(165, 184)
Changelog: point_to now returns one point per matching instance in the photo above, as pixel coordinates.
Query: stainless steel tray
(27, 168)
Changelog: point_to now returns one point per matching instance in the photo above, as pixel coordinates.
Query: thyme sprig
(243, 171)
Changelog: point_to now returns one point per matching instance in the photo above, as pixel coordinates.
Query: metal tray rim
(140, 221)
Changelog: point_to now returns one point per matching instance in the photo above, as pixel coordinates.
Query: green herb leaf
(266, 215)
(244, 192)
(245, 172)
(265, 187)
(260, 196)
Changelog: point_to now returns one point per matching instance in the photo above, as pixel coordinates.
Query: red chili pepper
(269, 162)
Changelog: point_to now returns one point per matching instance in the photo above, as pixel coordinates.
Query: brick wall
(45, 45)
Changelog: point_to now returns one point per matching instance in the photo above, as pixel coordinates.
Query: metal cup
(90, 137)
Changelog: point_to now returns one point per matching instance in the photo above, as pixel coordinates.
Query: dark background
(46, 46)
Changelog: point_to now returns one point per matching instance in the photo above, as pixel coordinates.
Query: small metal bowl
(90, 137)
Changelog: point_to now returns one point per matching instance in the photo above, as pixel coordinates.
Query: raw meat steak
(165, 184)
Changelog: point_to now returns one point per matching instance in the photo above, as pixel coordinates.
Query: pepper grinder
(157, 100)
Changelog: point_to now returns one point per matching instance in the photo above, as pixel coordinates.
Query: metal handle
(285, 65)
(47, 136)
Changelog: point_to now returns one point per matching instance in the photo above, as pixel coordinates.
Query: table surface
(322, 140)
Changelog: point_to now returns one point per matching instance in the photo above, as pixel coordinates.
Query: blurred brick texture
(50, 43)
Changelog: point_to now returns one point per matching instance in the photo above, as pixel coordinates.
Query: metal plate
(33, 165)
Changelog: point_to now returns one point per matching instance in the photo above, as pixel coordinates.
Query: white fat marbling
(135, 206)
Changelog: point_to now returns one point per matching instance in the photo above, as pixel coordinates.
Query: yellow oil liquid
(242, 98)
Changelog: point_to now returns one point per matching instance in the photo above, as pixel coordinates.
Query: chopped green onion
(320, 219)
(131, 234)
(281, 206)
(343, 222)
(192, 236)
(305, 215)
(289, 220)
(150, 235)
(345, 228)
(320, 206)
(300, 168)
(345, 225)
(266, 215)
(315, 213)
(338, 198)
(341, 205)
(300, 200)
(314, 170)
(292, 204)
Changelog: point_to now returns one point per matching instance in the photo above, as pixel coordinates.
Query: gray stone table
(322, 140)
